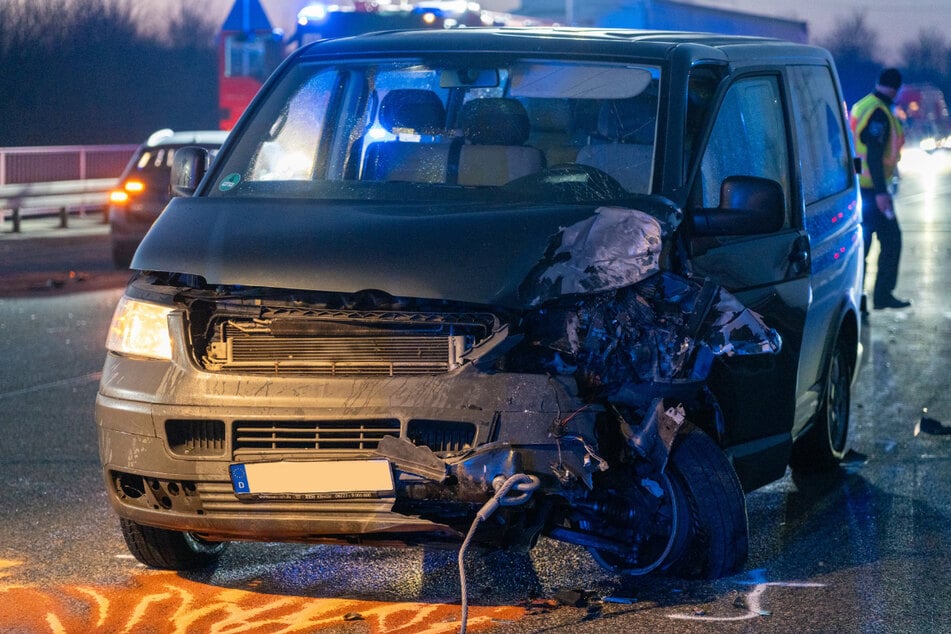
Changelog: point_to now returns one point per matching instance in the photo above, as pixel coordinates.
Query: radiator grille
(388, 356)
(441, 435)
(196, 437)
(310, 437)
(339, 343)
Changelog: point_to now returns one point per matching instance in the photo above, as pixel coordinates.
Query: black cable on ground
(524, 484)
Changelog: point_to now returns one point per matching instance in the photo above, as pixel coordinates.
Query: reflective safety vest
(858, 119)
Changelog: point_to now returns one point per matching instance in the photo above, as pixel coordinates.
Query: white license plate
(326, 479)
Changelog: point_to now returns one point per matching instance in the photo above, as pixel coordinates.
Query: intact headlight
(140, 329)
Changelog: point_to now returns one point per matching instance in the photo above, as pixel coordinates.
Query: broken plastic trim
(654, 437)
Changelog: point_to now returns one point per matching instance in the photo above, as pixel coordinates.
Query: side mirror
(748, 205)
(857, 164)
(188, 168)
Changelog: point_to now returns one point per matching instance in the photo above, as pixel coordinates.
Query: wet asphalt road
(862, 551)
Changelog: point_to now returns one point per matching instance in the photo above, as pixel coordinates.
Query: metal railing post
(82, 175)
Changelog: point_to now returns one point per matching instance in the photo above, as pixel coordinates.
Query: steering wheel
(575, 180)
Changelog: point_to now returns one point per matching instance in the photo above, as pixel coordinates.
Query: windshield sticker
(229, 181)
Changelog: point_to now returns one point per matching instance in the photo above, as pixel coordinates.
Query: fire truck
(250, 48)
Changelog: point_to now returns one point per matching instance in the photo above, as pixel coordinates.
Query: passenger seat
(551, 122)
(409, 112)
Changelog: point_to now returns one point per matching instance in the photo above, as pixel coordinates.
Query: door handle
(799, 256)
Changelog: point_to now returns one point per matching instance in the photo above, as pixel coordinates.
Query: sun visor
(577, 81)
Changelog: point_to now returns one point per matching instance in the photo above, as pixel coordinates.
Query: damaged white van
(592, 285)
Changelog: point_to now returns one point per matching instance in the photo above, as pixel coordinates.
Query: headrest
(548, 115)
(494, 121)
(418, 110)
(629, 120)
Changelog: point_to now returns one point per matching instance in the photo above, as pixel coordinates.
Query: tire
(717, 535)
(824, 445)
(169, 550)
(706, 535)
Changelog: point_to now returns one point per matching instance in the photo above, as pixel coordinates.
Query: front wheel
(717, 530)
(703, 530)
(169, 550)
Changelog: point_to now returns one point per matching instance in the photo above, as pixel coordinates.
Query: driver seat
(628, 124)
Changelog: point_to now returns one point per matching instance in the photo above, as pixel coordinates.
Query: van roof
(576, 41)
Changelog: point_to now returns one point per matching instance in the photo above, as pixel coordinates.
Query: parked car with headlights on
(144, 187)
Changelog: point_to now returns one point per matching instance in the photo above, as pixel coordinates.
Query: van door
(768, 273)
(833, 222)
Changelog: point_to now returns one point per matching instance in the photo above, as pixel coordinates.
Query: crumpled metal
(738, 330)
(614, 248)
(665, 328)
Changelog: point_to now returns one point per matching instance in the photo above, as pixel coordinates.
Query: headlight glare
(140, 329)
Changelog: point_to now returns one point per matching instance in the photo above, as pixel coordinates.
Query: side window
(748, 138)
(823, 150)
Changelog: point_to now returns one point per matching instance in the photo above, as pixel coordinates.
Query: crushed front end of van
(424, 287)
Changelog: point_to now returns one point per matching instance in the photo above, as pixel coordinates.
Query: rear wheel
(169, 550)
(824, 445)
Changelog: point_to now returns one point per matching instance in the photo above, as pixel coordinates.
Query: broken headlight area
(663, 331)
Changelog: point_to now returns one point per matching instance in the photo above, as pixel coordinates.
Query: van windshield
(425, 129)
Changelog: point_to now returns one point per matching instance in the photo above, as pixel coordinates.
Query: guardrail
(40, 181)
(63, 197)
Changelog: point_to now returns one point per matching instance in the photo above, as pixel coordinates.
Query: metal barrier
(58, 179)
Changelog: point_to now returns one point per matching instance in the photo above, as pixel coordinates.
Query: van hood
(514, 256)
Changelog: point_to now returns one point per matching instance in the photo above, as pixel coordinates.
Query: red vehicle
(925, 114)
(249, 48)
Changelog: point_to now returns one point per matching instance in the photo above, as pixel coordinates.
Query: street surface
(865, 550)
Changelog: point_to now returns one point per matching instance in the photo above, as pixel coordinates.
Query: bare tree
(852, 39)
(83, 71)
(29, 24)
(853, 44)
(190, 28)
(926, 59)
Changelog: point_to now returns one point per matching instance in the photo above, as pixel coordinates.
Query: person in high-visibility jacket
(878, 137)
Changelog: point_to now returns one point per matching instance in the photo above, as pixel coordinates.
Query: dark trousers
(889, 241)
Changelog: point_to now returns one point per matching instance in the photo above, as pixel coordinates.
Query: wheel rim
(618, 564)
(837, 404)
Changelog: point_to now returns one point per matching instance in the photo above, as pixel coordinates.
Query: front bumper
(168, 433)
